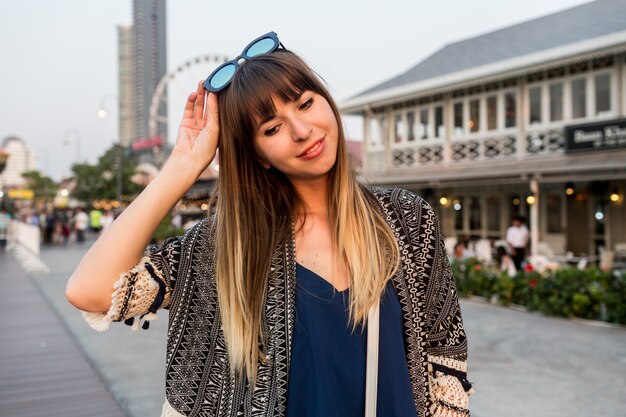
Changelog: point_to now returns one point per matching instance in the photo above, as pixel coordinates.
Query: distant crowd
(60, 226)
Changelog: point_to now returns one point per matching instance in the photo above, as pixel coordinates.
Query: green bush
(569, 292)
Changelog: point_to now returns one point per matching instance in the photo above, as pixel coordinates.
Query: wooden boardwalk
(42, 370)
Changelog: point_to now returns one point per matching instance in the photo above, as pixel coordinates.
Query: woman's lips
(313, 150)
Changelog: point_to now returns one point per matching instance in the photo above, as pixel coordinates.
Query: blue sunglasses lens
(223, 76)
(263, 46)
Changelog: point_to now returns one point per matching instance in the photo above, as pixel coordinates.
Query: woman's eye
(271, 131)
(306, 104)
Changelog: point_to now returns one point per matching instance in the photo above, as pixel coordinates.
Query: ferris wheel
(172, 91)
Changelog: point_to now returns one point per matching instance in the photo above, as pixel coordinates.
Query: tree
(97, 182)
(42, 186)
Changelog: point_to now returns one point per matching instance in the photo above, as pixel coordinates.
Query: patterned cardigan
(179, 275)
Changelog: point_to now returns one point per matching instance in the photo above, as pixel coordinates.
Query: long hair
(255, 208)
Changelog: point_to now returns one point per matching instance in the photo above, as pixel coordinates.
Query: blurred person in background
(517, 237)
(107, 219)
(48, 227)
(505, 262)
(95, 217)
(81, 224)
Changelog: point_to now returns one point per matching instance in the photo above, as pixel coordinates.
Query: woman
(505, 262)
(268, 296)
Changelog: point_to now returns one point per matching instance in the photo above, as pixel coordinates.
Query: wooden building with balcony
(527, 120)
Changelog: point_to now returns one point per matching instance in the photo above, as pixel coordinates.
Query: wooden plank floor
(42, 370)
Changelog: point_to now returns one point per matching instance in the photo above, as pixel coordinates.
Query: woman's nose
(301, 130)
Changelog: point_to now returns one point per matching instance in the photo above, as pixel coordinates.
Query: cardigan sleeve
(449, 388)
(142, 290)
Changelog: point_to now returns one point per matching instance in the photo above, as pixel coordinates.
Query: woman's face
(300, 139)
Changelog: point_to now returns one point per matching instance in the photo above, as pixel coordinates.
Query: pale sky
(59, 57)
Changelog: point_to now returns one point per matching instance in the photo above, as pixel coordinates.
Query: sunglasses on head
(223, 75)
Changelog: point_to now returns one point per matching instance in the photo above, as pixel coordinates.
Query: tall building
(20, 159)
(150, 57)
(527, 120)
(125, 84)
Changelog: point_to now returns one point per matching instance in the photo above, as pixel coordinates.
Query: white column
(448, 128)
(366, 143)
(522, 118)
(618, 87)
(534, 217)
(388, 141)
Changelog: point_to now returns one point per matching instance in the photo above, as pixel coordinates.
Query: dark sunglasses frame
(235, 61)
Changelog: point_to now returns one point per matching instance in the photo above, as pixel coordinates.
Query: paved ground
(43, 372)
(132, 363)
(522, 364)
(526, 364)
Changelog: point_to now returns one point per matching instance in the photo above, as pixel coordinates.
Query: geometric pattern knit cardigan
(179, 275)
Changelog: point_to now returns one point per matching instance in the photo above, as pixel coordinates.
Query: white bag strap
(371, 370)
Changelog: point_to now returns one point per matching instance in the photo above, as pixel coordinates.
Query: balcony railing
(496, 147)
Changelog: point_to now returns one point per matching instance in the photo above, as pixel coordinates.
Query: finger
(198, 109)
(188, 112)
(212, 110)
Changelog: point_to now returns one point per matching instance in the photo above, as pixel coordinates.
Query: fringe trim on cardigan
(133, 298)
(448, 387)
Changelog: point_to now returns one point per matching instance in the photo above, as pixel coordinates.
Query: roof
(9, 139)
(580, 23)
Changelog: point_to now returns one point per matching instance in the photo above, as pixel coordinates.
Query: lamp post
(119, 168)
(102, 112)
(119, 154)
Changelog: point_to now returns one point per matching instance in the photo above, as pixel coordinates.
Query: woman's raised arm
(122, 245)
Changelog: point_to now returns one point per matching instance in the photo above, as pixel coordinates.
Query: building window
(556, 102)
(440, 129)
(458, 213)
(553, 206)
(458, 119)
(492, 113)
(377, 131)
(423, 124)
(603, 93)
(474, 121)
(493, 213)
(579, 98)
(510, 110)
(398, 128)
(516, 205)
(410, 121)
(534, 101)
(475, 214)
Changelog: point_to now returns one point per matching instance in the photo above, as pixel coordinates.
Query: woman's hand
(198, 132)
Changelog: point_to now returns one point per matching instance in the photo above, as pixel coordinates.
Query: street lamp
(102, 112)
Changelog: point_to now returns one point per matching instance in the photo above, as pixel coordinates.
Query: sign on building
(596, 136)
(147, 143)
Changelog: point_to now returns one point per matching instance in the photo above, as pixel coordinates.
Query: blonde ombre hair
(255, 208)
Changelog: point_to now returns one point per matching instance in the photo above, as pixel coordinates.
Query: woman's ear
(265, 164)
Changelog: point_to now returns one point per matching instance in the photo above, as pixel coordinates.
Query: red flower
(478, 267)
(529, 268)
(532, 283)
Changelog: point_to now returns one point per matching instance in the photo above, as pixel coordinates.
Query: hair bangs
(261, 80)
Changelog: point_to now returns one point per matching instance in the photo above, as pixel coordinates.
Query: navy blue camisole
(327, 368)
